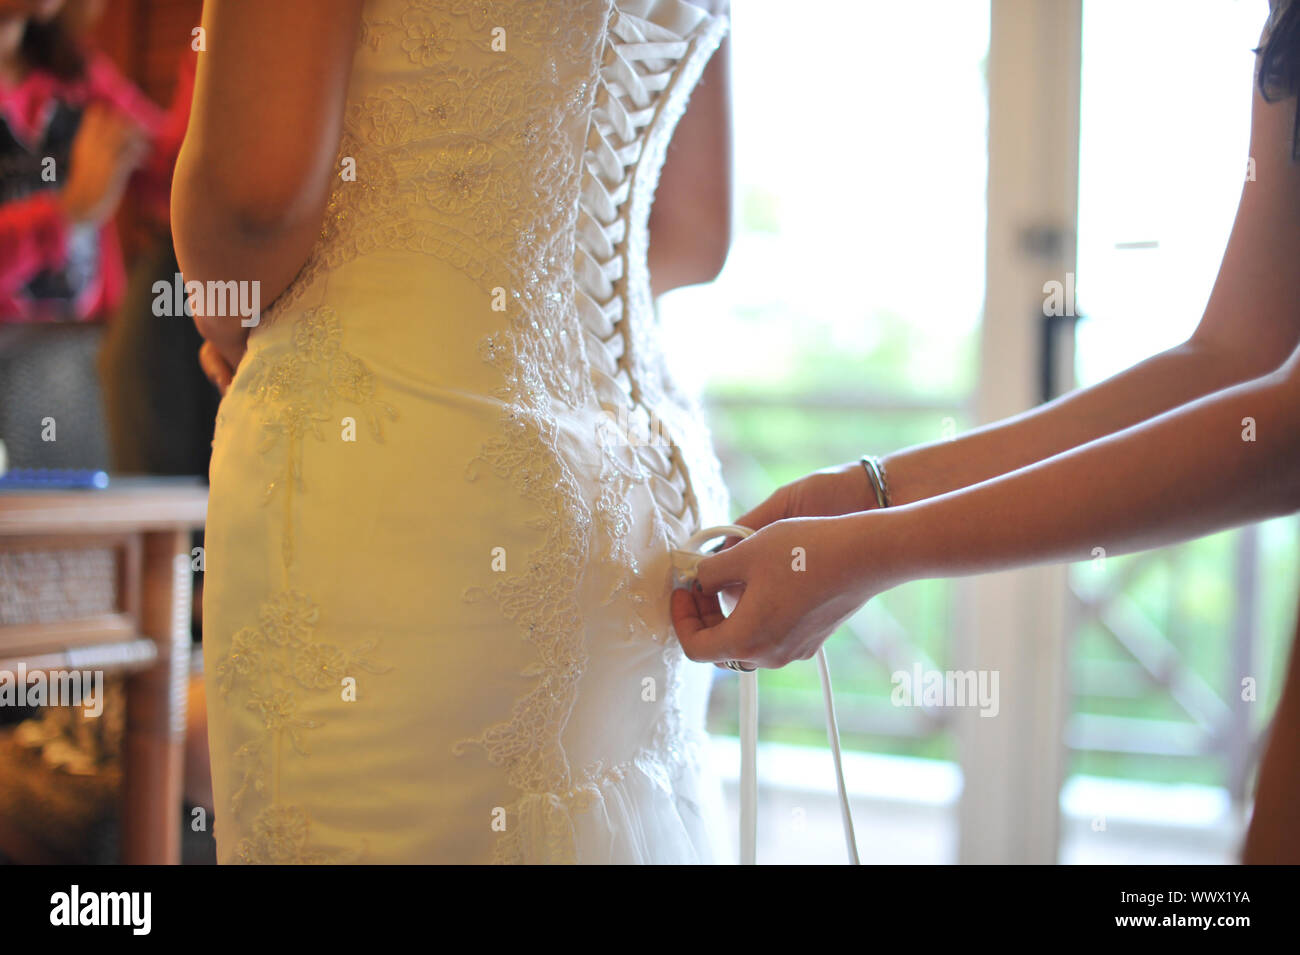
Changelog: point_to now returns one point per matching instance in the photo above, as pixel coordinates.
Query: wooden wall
(146, 38)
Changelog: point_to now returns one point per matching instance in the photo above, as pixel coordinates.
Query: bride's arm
(690, 221)
(257, 162)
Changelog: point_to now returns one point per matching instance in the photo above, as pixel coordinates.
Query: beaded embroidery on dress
(449, 471)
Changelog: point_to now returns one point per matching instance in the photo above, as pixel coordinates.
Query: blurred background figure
(72, 131)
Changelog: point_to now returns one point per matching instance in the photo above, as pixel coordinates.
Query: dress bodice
(529, 161)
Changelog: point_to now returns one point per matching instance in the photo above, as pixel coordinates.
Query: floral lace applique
(274, 663)
(279, 837)
(299, 393)
(271, 665)
(542, 602)
(421, 30)
(474, 166)
(494, 200)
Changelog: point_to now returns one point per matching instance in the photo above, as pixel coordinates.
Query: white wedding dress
(449, 471)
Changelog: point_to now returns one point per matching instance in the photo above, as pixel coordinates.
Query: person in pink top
(72, 131)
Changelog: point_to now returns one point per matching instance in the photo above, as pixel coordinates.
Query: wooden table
(101, 580)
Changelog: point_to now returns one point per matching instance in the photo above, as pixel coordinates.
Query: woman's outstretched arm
(1227, 459)
(1138, 462)
(1250, 326)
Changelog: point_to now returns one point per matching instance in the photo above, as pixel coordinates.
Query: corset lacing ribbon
(686, 562)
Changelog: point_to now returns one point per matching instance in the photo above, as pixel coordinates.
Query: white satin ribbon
(686, 562)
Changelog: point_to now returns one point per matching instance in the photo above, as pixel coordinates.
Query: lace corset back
(503, 136)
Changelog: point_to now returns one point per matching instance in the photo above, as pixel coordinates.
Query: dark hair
(50, 47)
(1279, 55)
